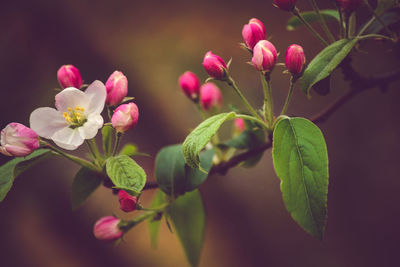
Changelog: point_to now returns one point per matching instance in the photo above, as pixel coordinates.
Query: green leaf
(188, 218)
(300, 160)
(16, 166)
(154, 222)
(85, 183)
(325, 62)
(175, 177)
(389, 18)
(132, 150)
(126, 174)
(310, 16)
(107, 133)
(200, 136)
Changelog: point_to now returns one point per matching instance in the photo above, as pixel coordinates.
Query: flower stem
(296, 12)
(366, 26)
(268, 101)
(322, 20)
(75, 159)
(340, 20)
(232, 83)
(288, 96)
(376, 16)
(127, 225)
(118, 137)
(94, 150)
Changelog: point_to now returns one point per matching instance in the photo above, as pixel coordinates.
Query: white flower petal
(46, 121)
(70, 98)
(91, 127)
(68, 138)
(96, 92)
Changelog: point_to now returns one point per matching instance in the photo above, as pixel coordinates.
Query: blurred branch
(358, 85)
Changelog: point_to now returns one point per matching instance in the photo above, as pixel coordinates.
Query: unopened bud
(106, 228)
(239, 125)
(295, 59)
(215, 66)
(126, 201)
(264, 56)
(117, 88)
(18, 140)
(253, 32)
(210, 96)
(286, 5)
(349, 6)
(125, 117)
(190, 85)
(69, 76)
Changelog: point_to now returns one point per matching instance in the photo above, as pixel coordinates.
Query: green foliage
(200, 136)
(174, 176)
(325, 62)
(188, 218)
(16, 166)
(126, 174)
(85, 183)
(154, 222)
(301, 162)
(310, 16)
(107, 133)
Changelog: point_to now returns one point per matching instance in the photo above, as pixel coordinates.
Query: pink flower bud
(215, 66)
(69, 76)
(125, 117)
(117, 88)
(127, 202)
(253, 32)
(286, 5)
(349, 5)
(106, 228)
(18, 140)
(264, 56)
(295, 59)
(190, 85)
(210, 96)
(239, 125)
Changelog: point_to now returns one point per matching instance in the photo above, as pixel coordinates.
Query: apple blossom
(295, 59)
(76, 117)
(117, 88)
(253, 32)
(125, 117)
(210, 96)
(106, 228)
(69, 76)
(18, 140)
(264, 56)
(127, 202)
(190, 85)
(215, 66)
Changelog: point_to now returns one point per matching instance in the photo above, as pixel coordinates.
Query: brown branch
(358, 85)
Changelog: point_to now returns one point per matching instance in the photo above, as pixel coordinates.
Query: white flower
(76, 118)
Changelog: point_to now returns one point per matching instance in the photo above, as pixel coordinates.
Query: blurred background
(152, 43)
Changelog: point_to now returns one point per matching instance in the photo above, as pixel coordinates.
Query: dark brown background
(153, 42)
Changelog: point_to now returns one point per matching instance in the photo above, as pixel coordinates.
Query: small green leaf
(175, 177)
(85, 183)
(126, 174)
(300, 160)
(200, 137)
(188, 218)
(16, 166)
(325, 62)
(132, 150)
(154, 222)
(310, 16)
(107, 133)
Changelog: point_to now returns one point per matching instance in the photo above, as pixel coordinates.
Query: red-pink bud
(125, 117)
(295, 59)
(349, 5)
(69, 76)
(107, 228)
(190, 85)
(239, 125)
(264, 56)
(117, 88)
(126, 201)
(18, 140)
(253, 32)
(215, 66)
(210, 96)
(286, 5)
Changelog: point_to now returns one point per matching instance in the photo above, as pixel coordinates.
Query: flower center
(75, 117)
